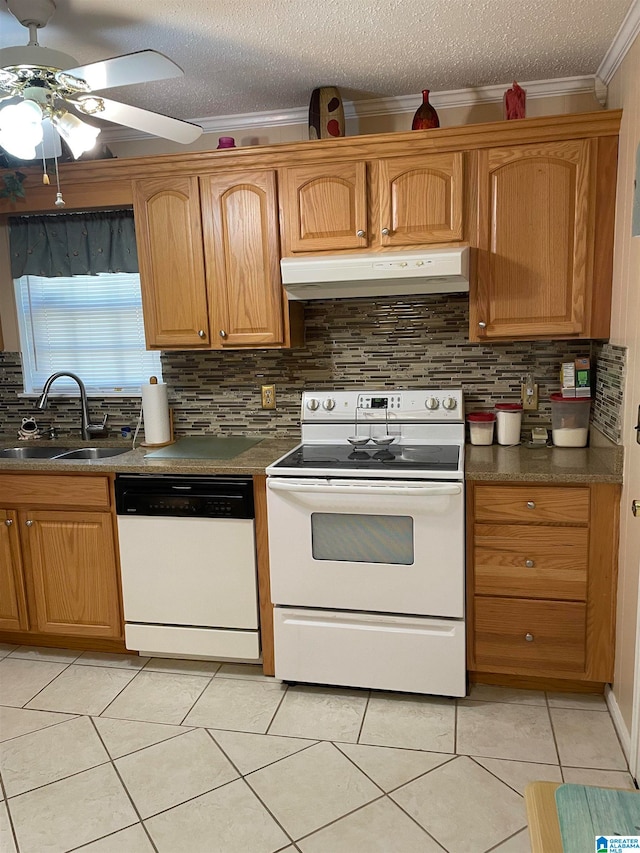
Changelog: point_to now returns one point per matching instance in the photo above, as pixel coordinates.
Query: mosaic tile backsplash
(412, 342)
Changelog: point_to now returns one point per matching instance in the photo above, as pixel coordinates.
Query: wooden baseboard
(56, 641)
(527, 682)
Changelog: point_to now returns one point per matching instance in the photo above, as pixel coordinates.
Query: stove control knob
(329, 404)
(449, 403)
(312, 404)
(432, 403)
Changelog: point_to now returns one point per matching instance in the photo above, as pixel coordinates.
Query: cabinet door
(74, 570)
(325, 206)
(13, 607)
(171, 257)
(534, 238)
(240, 217)
(420, 199)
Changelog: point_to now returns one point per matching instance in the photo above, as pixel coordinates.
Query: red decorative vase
(425, 116)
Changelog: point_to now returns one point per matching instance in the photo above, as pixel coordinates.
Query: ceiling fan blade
(140, 67)
(145, 120)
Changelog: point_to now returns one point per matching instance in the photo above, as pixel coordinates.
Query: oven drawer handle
(445, 489)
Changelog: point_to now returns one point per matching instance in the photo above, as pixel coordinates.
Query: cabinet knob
(29, 523)
(222, 333)
(529, 563)
(531, 504)
(201, 333)
(8, 522)
(385, 232)
(360, 233)
(529, 638)
(482, 324)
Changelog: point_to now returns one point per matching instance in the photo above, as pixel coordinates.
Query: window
(87, 324)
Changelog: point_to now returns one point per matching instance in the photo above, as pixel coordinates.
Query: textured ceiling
(241, 56)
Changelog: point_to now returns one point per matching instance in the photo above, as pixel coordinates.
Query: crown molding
(376, 106)
(626, 35)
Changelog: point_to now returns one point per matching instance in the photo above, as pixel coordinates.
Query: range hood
(377, 274)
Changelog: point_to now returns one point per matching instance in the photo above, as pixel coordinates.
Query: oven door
(388, 546)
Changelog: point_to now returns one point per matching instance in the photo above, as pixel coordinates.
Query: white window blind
(90, 325)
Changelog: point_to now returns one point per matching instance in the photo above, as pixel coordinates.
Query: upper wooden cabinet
(242, 253)
(544, 238)
(171, 258)
(394, 201)
(325, 206)
(420, 199)
(210, 262)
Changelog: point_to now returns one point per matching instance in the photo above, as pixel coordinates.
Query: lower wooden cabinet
(58, 563)
(541, 580)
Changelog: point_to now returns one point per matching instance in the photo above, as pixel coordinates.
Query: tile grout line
(35, 695)
(143, 722)
(495, 776)
(197, 699)
(9, 815)
(111, 701)
(553, 733)
(364, 716)
(275, 713)
(42, 728)
(126, 790)
(271, 763)
(504, 840)
(411, 817)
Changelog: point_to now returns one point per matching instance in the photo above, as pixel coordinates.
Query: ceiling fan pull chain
(59, 202)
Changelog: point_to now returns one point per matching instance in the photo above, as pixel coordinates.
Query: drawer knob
(385, 232)
(529, 563)
(222, 333)
(360, 233)
(201, 333)
(29, 523)
(8, 522)
(531, 504)
(529, 638)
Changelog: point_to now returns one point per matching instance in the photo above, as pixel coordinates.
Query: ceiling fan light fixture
(21, 129)
(73, 84)
(90, 105)
(78, 135)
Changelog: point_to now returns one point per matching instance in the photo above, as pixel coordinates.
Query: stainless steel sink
(32, 452)
(91, 453)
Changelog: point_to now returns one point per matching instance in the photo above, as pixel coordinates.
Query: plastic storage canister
(509, 422)
(570, 420)
(481, 427)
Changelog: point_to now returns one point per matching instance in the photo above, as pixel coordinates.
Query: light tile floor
(112, 754)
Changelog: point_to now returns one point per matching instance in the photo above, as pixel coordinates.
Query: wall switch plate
(268, 396)
(529, 397)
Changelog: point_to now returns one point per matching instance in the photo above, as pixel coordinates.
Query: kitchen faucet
(88, 429)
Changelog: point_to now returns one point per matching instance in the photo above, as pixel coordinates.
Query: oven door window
(359, 538)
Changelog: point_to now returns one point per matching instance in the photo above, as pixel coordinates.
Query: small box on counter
(583, 377)
(568, 379)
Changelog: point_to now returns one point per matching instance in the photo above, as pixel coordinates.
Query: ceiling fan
(42, 89)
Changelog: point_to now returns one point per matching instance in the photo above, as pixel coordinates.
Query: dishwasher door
(190, 586)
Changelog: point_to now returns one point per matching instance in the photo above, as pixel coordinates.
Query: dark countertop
(490, 463)
(544, 464)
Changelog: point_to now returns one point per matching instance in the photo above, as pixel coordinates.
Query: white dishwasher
(188, 562)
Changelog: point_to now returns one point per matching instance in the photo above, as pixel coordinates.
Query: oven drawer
(531, 562)
(533, 504)
(412, 654)
(530, 635)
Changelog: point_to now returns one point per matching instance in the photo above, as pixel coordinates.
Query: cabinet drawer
(556, 631)
(532, 504)
(51, 490)
(531, 562)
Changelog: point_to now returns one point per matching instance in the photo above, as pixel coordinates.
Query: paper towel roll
(155, 412)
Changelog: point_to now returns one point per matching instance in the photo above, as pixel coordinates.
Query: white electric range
(366, 539)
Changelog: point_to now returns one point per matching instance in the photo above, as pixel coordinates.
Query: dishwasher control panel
(184, 496)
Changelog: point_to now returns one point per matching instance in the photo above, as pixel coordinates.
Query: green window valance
(73, 244)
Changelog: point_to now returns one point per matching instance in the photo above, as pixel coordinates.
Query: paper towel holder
(153, 380)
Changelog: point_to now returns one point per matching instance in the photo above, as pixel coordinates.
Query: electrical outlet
(529, 396)
(268, 396)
